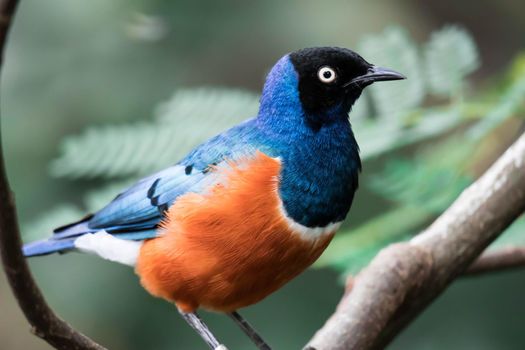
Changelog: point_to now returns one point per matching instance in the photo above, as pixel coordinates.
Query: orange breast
(230, 247)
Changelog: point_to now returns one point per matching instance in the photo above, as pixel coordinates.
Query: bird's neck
(280, 95)
(320, 173)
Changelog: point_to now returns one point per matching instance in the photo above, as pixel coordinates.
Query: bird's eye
(326, 74)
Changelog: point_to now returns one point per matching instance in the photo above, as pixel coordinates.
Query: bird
(247, 210)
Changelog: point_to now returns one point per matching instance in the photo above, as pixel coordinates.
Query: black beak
(374, 74)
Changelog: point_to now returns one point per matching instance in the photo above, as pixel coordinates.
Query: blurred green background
(72, 65)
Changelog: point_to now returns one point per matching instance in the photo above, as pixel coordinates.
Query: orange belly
(230, 247)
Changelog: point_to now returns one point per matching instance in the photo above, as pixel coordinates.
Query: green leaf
(431, 181)
(217, 107)
(394, 49)
(450, 56)
(376, 138)
(190, 117)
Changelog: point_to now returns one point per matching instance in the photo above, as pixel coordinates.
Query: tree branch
(405, 277)
(45, 323)
(497, 260)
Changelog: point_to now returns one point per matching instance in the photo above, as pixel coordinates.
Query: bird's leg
(200, 327)
(249, 331)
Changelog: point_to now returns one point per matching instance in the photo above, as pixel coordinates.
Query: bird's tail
(62, 240)
(48, 246)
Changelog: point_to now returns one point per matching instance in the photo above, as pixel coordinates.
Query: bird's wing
(142, 205)
(136, 212)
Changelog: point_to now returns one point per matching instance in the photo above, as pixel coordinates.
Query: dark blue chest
(319, 173)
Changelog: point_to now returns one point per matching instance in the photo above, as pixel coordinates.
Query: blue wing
(135, 213)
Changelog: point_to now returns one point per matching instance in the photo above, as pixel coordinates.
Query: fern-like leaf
(395, 49)
(217, 107)
(430, 181)
(189, 118)
(450, 55)
(377, 138)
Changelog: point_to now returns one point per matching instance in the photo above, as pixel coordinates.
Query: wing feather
(136, 212)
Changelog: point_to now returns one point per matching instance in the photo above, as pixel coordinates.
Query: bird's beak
(374, 74)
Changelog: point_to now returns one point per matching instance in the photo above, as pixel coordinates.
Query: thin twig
(497, 260)
(405, 277)
(44, 322)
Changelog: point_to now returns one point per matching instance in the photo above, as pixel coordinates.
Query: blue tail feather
(50, 246)
(64, 237)
(61, 245)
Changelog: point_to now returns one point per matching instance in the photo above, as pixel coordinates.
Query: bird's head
(321, 82)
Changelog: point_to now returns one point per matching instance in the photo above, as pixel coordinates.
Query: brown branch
(497, 260)
(404, 278)
(45, 323)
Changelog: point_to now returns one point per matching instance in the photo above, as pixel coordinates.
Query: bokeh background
(76, 64)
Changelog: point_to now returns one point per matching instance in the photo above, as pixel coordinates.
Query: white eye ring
(326, 74)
